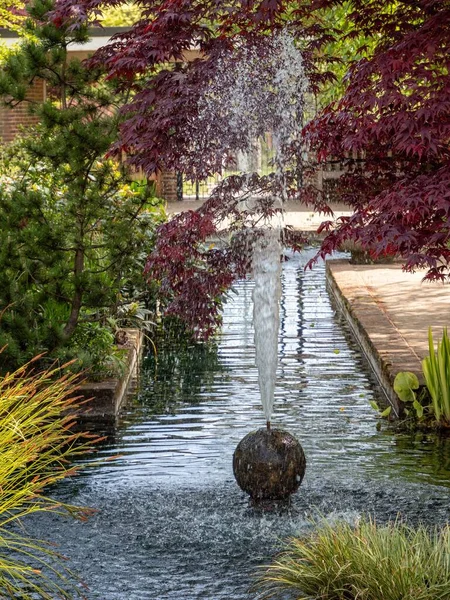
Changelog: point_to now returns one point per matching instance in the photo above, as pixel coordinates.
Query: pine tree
(72, 222)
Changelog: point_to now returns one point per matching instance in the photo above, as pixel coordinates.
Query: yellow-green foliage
(8, 19)
(121, 16)
(365, 562)
(37, 445)
(11, 21)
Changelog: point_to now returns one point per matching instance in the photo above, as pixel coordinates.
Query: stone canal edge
(389, 312)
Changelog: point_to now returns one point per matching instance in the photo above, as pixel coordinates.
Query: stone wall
(103, 400)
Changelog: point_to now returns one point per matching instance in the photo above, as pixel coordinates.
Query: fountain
(170, 521)
(268, 464)
(255, 96)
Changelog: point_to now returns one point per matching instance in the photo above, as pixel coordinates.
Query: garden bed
(102, 400)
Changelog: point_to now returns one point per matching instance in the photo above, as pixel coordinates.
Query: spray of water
(258, 90)
(266, 320)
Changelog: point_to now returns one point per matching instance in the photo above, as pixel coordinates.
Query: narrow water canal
(172, 523)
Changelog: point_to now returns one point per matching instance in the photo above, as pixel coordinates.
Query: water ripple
(172, 523)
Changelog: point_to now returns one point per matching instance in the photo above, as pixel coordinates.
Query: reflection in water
(191, 371)
(429, 453)
(172, 523)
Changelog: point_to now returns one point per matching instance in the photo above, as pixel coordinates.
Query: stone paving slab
(295, 215)
(389, 312)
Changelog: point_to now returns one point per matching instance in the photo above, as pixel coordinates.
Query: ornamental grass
(436, 370)
(37, 447)
(364, 562)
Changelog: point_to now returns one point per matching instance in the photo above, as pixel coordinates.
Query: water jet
(268, 464)
(260, 98)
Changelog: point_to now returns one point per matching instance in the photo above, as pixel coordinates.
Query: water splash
(266, 319)
(258, 88)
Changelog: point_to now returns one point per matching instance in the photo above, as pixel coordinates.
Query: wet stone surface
(269, 464)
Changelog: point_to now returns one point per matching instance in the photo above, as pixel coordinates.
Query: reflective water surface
(172, 523)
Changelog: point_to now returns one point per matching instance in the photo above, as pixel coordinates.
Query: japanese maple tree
(390, 127)
(166, 127)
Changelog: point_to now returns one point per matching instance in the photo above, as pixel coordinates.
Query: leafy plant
(94, 351)
(405, 384)
(407, 388)
(37, 447)
(383, 412)
(365, 562)
(346, 45)
(436, 370)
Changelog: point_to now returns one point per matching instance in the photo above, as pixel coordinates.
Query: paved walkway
(296, 215)
(390, 312)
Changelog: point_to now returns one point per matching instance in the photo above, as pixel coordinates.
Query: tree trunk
(77, 299)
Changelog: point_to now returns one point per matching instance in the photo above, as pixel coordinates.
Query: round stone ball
(269, 464)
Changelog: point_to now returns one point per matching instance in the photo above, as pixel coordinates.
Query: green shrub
(37, 445)
(93, 348)
(365, 562)
(74, 227)
(46, 305)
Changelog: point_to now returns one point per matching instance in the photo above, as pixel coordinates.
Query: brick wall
(12, 120)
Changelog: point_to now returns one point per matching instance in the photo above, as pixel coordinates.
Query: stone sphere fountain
(269, 464)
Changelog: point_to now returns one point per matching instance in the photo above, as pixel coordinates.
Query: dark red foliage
(196, 273)
(155, 134)
(159, 132)
(391, 129)
(193, 273)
